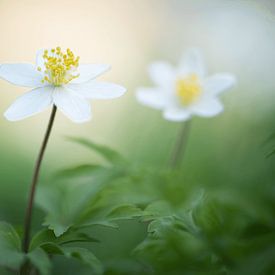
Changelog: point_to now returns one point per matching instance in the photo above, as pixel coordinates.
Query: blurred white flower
(185, 91)
(59, 79)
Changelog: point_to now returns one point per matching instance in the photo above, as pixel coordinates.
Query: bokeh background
(224, 153)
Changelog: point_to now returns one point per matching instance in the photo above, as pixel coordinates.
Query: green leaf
(86, 257)
(50, 200)
(157, 209)
(52, 249)
(207, 215)
(122, 212)
(43, 236)
(106, 152)
(160, 225)
(40, 260)
(47, 236)
(107, 215)
(73, 237)
(78, 170)
(65, 202)
(100, 223)
(10, 247)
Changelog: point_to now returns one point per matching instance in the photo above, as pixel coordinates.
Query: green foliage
(271, 140)
(40, 260)
(107, 153)
(205, 235)
(59, 200)
(271, 153)
(107, 194)
(79, 198)
(68, 244)
(46, 236)
(10, 247)
(78, 170)
(190, 229)
(85, 256)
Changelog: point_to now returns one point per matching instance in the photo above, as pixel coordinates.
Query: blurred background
(224, 153)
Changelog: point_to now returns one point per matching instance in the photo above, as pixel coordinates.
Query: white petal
(97, 90)
(71, 105)
(90, 71)
(21, 74)
(208, 107)
(218, 83)
(30, 103)
(192, 62)
(162, 73)
(176, 114)
(151, 97)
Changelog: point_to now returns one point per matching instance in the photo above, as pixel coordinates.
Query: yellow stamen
(59, 66)
(188, 89)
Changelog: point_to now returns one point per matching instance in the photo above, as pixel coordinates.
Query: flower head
(59, 68)
(185, 91)
(58, 78)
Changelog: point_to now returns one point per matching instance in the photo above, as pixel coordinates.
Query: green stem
(28, 217)
(180, 146)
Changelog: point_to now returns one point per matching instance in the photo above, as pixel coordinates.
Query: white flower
(185, 91)
(59, 79)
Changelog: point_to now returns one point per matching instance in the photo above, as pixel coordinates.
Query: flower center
(188, 89)
(60, 68)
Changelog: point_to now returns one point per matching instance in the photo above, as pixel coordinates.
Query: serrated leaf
(106, 152)
(10, 247)
(40, 260)
(49, 200)
(64, 203)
